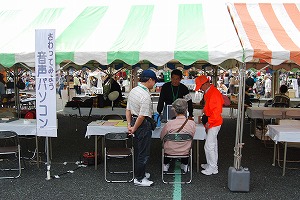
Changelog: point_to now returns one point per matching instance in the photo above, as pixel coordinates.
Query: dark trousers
(77, 89)
(142, 142)
(61, 87)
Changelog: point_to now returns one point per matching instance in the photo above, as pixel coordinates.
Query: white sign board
(45, 82)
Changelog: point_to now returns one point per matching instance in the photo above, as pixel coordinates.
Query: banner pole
(48, 160)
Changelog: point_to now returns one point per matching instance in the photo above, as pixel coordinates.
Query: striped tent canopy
(158, 32)
(269, 32)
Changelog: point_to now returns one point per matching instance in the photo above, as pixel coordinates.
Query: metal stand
(239, 177)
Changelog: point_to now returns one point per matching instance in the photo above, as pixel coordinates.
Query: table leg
(197, 154)
(254, 129)
(194, 154)
(102, 147)
(96, 151)
(50, 145)
(231, 113)
(37, 151)
(274, 154)
(284, 158)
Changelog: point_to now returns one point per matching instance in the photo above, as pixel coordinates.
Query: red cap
(200, 80)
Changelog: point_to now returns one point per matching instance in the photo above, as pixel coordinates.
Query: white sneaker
(147, 175)
(209, 171)
(144, 182)
(185, 168)
(204, 166)
(166, 167)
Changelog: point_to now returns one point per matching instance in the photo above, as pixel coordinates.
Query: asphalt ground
(266, 181)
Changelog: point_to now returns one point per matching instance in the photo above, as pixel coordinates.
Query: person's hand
(191, 118)
(130, 130)
(204, 119)
(206, 126)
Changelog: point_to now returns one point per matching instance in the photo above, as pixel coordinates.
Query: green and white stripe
(133, 31)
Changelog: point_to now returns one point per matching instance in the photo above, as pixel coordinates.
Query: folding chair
(292, 114)
(112, 116)
(106, 117)
(31, 114)
(177, 138)
(273, 116)
(114, 152)
(10, 151)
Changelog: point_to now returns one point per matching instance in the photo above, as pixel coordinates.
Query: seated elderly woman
(180, 107)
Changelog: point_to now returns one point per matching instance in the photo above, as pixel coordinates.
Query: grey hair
(180, 106)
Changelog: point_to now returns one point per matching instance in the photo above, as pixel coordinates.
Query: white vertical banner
(45, 82)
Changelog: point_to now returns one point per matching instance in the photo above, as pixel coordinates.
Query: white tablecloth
(284, 133)
(95, 129)
(20, 126)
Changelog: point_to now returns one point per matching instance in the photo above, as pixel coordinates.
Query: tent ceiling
(186, 31)
(268, 31)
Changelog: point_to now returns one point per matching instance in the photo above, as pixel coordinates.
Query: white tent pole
(240, 118)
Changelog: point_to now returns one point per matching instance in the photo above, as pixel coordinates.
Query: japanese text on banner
(45, 83)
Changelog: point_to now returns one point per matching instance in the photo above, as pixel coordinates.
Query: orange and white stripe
(268, 31)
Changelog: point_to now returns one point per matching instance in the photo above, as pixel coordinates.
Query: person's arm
(161, 100)
(190, 102)
(137, 124)
(215, 109)
(190, 109)
(128, 118)
(164, 131)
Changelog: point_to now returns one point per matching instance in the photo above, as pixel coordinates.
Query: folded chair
(116, 153)
(106, 117)
(112, 116)
(292, 114)
(10, 152)
(177, 138)
(273, 116)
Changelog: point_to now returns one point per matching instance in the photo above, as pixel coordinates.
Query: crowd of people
(25, 82)
(91, 83)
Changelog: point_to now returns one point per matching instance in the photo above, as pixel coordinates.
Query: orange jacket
(213, 106)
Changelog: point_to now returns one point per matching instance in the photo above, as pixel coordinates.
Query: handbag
(152, 122)
(89, 158)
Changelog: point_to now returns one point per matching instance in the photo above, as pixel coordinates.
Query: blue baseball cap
(149, 74)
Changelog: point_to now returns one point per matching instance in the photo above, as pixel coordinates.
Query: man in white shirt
(139, 108)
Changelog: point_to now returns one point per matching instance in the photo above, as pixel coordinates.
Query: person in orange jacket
(212, 121)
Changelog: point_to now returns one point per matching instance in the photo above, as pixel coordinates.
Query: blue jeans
(142, 142)
(61, 87)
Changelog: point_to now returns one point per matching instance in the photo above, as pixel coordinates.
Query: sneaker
(144, 182)
(209, 171)
(204, 166)
(184, 167)
(166, 167)
(147, 175)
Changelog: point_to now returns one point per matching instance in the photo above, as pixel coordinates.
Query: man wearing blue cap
(139, 107)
